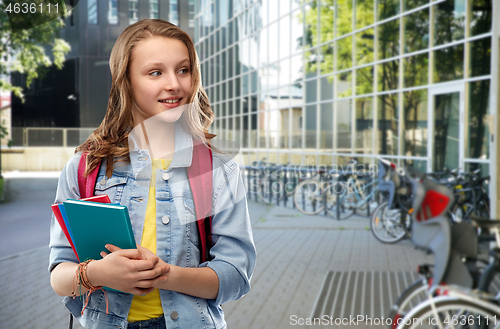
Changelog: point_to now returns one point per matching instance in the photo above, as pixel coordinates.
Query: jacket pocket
(113, 187)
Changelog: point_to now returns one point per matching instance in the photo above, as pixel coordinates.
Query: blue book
(93, 225)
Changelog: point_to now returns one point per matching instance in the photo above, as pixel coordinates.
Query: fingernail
(106, 246)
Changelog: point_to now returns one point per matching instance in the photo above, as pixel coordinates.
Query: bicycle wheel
(449, 312)
(346, 202)
(308, 197)
(271, 189)
(386, 225)
(409, 298)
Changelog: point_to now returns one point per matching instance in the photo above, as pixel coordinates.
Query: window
(173, 15)
(191, 13)
(153, 9)
(92, 11)
(112, 12)
(133, 11)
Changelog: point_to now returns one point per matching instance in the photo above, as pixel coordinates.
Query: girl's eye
(155, 72)
(183, 71)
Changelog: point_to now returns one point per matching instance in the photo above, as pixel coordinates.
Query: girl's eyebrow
(161, 64)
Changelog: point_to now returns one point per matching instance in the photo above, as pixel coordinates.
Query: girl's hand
(127, 270)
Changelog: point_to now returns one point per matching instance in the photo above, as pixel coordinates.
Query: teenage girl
(155, 74)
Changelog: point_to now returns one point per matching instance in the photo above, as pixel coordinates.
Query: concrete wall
(36, 158)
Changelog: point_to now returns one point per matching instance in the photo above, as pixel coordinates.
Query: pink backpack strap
(200, 181)
(86, 184)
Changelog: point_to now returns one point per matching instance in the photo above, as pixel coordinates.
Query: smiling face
(160, 76)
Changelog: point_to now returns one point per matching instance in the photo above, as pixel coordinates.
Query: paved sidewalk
(295, 252)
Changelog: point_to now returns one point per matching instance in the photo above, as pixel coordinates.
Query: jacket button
(102, 182)
(165, 176)
(165, 220)
(174, 315)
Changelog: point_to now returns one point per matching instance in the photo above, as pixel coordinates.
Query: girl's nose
(172, 84)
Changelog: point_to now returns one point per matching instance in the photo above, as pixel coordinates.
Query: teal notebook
(94, 225)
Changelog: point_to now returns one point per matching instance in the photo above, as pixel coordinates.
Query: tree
(26, 47)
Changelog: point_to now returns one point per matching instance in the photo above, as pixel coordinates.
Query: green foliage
(27, 47)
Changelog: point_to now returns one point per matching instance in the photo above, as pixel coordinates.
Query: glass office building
(319, 82)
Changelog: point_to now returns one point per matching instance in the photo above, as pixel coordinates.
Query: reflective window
(284, 72)
(388, 39)
(112, 12)
(412, 4)
(273, 45)
(416, 70)
(173, 13)
(364, 80)
(415, 123)
(326, 127)
(297, 68)
(477, 131)
(273, 10)
(92, 11)
(388, 75)
(448, 64)
(326, 58)
(344, 53)
(311, 91)
(296, 128)
(364, 13)
(416, 31)
(310, 126)
(363, 135)
(344, 84)
(326, 88)
(343, 18)
(191, 12)
(364, 47)
(153, 9)
(343, 125)
(480, 57)
(297, 30)
(387, 124)
(481, 16)
(449, 21)
(284, 37)
(387, 9)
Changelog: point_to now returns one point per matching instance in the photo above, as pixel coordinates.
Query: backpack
(202, 194)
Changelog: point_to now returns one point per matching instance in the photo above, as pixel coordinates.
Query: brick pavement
(294, 253)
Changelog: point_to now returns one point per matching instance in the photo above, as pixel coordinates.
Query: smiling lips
(170, 103)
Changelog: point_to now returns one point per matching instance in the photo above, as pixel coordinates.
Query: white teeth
(170, 101)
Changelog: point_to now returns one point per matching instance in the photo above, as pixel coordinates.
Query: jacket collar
(182, 156)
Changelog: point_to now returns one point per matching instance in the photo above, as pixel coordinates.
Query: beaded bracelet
(81, 279)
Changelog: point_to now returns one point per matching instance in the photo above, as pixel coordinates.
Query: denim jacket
(233, 251)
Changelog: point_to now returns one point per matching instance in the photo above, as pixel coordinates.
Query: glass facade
(311, 82)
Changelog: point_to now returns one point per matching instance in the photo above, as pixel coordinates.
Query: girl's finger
(103, 254)
(112, 248)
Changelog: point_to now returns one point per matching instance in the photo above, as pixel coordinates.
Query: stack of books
(89, 224)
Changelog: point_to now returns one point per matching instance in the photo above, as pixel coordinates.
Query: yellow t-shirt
(149, 306)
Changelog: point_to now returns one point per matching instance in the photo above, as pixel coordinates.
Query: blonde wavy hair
(110, 140)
